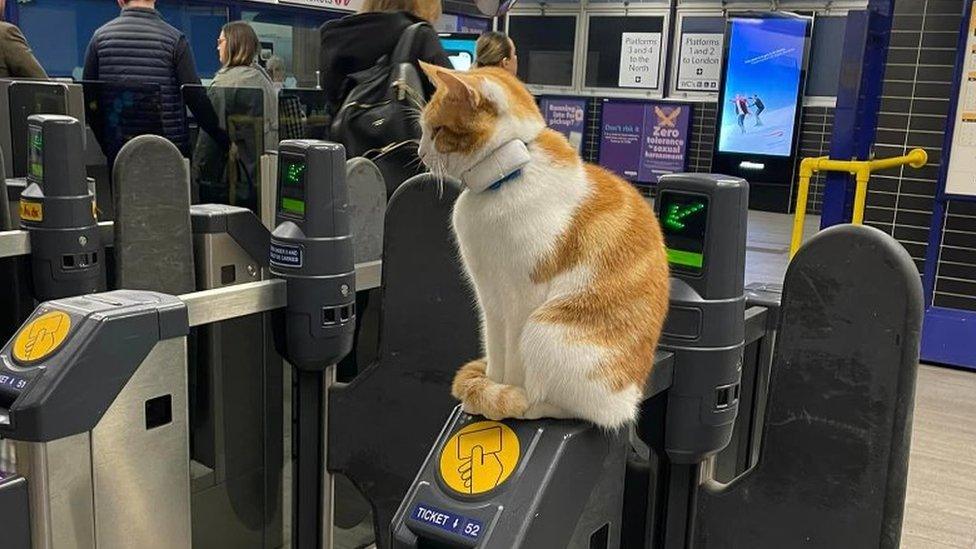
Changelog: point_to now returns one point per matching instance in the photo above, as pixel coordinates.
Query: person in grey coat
(247, 103)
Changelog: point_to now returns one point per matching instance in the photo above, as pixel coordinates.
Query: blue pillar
(858, 102)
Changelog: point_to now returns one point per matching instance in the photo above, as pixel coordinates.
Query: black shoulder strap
(403, 52)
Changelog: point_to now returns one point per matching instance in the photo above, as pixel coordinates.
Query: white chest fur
(503, 235)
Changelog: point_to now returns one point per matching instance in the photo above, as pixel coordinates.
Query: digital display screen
(461, 49)
(35, 154)
(763, 74)
(684, 220)
(291, 191)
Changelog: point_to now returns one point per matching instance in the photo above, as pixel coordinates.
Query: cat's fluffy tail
(481, 395)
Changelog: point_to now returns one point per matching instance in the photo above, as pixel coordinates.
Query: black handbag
(381, 110)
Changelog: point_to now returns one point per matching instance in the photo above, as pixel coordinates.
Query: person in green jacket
(16, 59)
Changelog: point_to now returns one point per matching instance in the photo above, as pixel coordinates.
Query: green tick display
(35, 155)
(684, 219)
(292, 174)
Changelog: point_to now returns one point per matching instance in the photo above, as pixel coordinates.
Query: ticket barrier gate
(529, 500)
(49, 518)
(845, 363)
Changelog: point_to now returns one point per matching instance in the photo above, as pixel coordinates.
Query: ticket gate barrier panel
(236, 388)
(839, 415)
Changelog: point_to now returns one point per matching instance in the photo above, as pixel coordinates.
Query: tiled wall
(815, 128)
(914, 103)
(955, 283)
(701, 144)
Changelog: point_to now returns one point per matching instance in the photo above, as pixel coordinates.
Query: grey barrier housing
(312, 249)
(68, 257)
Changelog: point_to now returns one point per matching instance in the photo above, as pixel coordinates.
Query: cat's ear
(451, 82)
(459, 89)
(433, 73)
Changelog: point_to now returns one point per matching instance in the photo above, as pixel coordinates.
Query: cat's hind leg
(539, 410)
(563, 375)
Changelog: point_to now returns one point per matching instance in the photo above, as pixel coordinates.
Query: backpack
(380, 111)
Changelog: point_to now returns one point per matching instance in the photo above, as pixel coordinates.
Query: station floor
(940, 510)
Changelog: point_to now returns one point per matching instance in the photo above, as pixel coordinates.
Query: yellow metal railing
(860, 169)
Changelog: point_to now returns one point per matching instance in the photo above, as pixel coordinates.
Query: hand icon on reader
(42, 336)
(481, 469)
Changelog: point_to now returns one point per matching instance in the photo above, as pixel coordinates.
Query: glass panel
(302, 114)
(289, 41)
(545, 48)
(225, 162)
(625, 52)
(117, 112)
(27, 98)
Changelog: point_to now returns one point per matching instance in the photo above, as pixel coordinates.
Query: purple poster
(620, 140)
(566, 116)
(643, 141)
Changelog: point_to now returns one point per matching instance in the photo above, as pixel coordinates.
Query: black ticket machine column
(93, 417)
(58, 211)
(703, 218)
(311, 249)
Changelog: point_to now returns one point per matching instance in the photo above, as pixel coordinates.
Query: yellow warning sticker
(479, 457)
(31, 211)
(42, 336)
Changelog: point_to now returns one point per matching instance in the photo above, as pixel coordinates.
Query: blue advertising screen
(460, 49)
(763, 74)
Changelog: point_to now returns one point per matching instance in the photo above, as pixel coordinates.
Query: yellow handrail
(860, 169)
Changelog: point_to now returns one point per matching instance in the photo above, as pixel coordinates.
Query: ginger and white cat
(567, 260)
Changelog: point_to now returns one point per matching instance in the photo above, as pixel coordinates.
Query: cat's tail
(481, 395)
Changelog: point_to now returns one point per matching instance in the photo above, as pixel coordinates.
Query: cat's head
(473, 113)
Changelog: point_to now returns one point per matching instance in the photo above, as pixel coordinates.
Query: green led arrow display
(676, 213)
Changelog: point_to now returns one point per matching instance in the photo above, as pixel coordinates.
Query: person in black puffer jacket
(138, 47)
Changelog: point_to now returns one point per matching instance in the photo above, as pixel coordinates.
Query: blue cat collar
(497, 184)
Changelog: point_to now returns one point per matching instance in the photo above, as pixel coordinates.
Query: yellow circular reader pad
(479, 457)
(42, 336)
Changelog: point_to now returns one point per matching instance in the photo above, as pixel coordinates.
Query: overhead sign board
(340, 5)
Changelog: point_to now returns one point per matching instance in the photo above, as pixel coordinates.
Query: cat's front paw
(508, 401)
(467, 377)
(470, 409)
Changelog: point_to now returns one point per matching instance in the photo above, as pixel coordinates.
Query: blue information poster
(763, 74)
